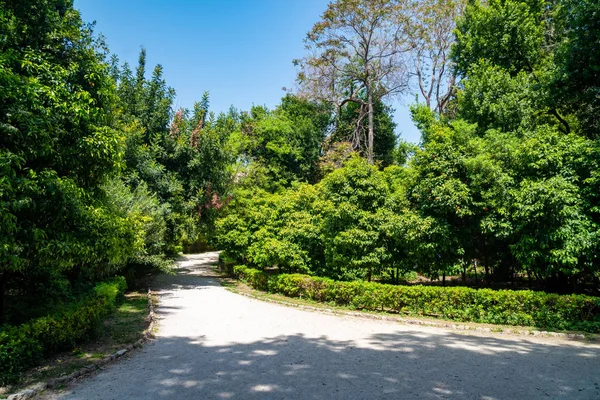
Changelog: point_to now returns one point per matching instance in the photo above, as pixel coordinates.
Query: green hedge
(25, 345)
(509, 307)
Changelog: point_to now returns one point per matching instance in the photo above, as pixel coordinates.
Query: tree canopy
(101, 174)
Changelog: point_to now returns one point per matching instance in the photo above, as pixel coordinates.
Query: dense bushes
(98, 175)
(353, 224)
(459, 204)
(24, 345)
(527, 308)
(504, 178)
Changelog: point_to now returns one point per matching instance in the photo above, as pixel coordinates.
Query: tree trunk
(475, 268)
(3, 280)
(464, 274)
(397, 275)
(371, 127)
(512, 278)
(444, 278)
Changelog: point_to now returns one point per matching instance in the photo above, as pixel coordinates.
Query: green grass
(128, 321)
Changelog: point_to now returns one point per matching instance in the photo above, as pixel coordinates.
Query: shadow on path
(299, 355)
(403, 365)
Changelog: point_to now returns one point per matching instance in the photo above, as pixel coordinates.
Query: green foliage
(352, 225)
(99, 175)
(352, 127)
(507, 33)
(520, 308)
(255, 278)
(495, 99)
(24, 345)
(507, 50)
(180, 157)
(505, 179)
(352, 197)
(576, 81)
(286, 142)
(59, 142)
(511, 200)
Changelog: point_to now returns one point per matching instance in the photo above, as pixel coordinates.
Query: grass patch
(123, 327)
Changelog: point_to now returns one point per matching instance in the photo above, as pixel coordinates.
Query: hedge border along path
(505, 307)
(476, 327)
(38, 388)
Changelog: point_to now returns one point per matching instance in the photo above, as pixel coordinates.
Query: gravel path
(214, 344)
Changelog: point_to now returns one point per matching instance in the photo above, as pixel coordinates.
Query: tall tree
(431, 35)
(577, 80)
(285, 142)
(515, 39)
(58, 143)
(358, 46)
(350, 127)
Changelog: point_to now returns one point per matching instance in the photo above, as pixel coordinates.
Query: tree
(517, 39)
(350, 127)
(352, 198)
(182, 157)
(577, 76)
(286, 141)
(58, 144)
(357, 47)
(431, 37)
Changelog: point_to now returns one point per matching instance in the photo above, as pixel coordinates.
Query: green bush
(25, 345)
(509, 307)
(226, 263)
(255, 278)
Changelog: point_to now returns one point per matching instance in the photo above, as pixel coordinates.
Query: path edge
(502, 330)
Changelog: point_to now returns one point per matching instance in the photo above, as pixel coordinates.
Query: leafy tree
(514, 39)
(58, 144)
(576, 81)
(180, 157)
(351, 198)
(358, 48)
(286, 141)
(350, 127)
(505, 176)
(514, 202)
(431, 36)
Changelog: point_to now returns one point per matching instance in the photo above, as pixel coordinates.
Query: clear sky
(241, 51)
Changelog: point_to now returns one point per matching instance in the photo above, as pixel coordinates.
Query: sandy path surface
(214, 344)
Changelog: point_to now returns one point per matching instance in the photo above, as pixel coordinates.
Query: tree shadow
(409, 364)
(403, 363)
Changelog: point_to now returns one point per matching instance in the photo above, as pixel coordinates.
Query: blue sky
(241, 51)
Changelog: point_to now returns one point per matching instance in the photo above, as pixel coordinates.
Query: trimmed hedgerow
(25, 345)
(508, 307)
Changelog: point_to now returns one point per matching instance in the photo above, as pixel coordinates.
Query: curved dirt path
(214, 344)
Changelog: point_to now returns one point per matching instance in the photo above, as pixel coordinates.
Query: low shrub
(508, 307)
(226, 263)
(255, 278)
(25, 345)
